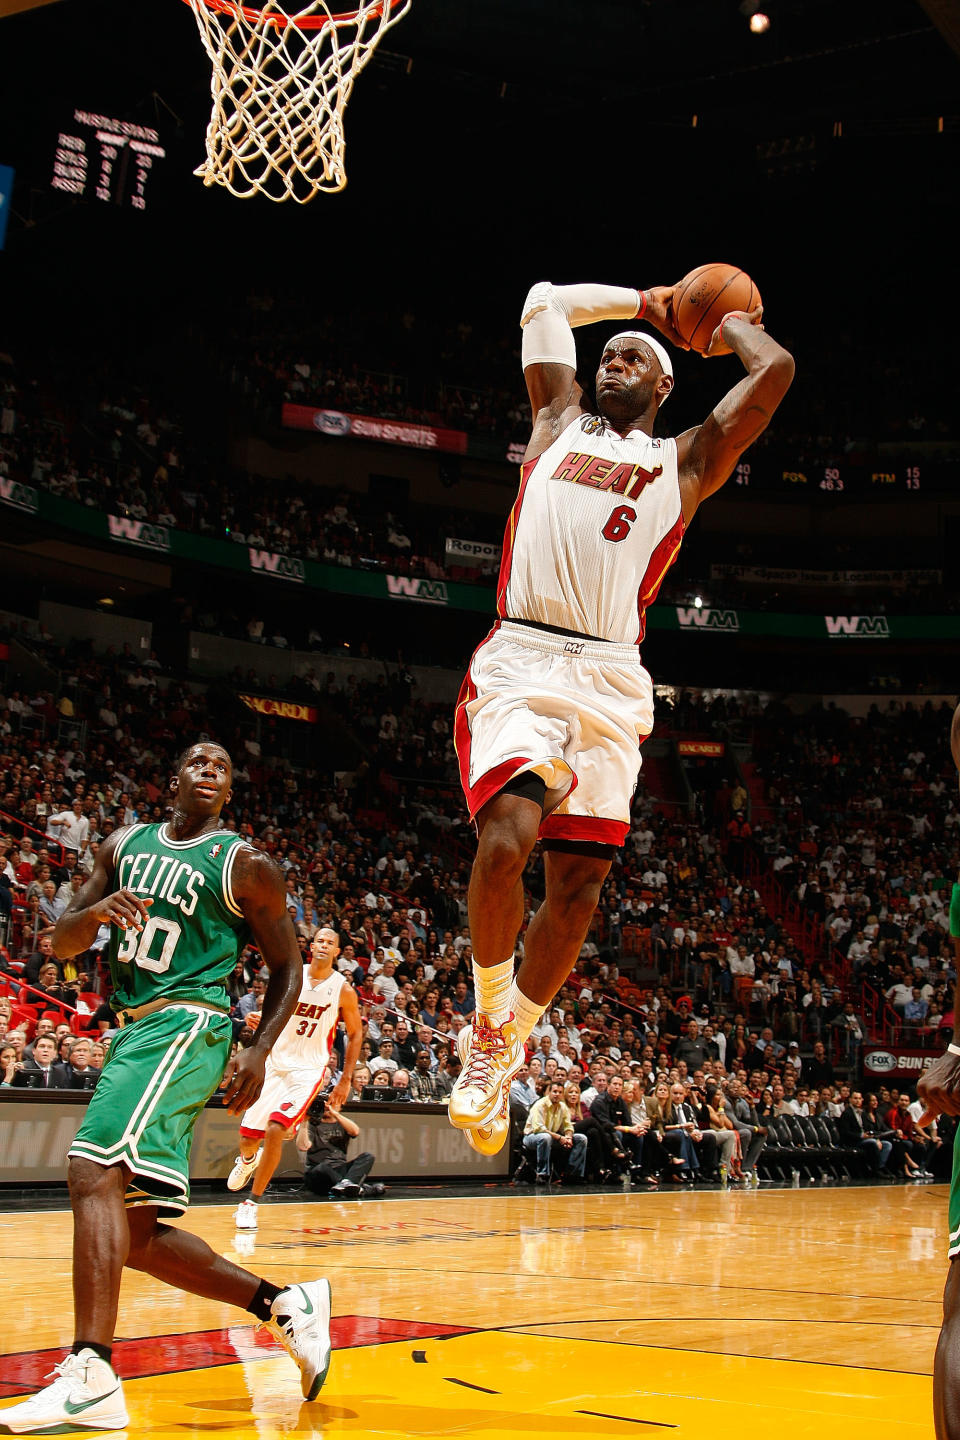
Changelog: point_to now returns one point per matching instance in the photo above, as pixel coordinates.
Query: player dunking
(939, 1089)
(556, 702)
(182, 899)
(295, 1069)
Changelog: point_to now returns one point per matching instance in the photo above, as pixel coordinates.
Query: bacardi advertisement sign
(338, 424)
(712, 748)
(282, 709)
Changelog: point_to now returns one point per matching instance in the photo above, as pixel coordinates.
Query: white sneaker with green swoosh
(86, 1395)
(301, 1322)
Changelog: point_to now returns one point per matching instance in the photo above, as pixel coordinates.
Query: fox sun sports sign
(896, 1064)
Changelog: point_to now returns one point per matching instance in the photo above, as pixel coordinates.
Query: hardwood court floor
(755, 1314)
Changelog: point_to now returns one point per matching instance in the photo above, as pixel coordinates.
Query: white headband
(666, 364)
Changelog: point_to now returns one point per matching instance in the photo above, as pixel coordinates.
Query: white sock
(491, 986)
(526, 1011)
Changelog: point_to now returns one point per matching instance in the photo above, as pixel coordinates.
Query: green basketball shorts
(955, 912)
(160, 1073)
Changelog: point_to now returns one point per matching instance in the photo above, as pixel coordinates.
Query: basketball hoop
(281, 82)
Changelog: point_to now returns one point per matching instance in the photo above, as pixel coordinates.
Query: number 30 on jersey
(137, 945)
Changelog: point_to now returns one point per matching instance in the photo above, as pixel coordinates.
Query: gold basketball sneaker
(487, 1139)
(494, 1055)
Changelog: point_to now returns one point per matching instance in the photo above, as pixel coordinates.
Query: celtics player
(182, 898)
(939, 1089)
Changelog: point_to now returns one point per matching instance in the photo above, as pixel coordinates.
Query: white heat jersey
(595, 527)
(304, 1042)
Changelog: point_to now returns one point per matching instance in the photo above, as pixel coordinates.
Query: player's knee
(501, 856)
(86, 1179)
(951, 1300)
(144, 1230)
(578, 890)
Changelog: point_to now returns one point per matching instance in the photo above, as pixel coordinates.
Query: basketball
(704, 296)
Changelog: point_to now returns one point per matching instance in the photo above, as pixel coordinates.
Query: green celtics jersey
(194, 931)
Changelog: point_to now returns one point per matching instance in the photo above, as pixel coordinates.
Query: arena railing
(45, 841)
(14, 988)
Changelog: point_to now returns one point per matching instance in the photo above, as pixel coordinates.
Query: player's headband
(666, 364)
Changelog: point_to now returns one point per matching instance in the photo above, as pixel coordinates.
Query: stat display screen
(102, 158)
(910, 474)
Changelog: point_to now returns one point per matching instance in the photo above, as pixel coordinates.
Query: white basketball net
(281, 82)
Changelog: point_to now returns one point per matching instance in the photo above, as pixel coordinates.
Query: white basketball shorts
(285, 1098)
(573, 711)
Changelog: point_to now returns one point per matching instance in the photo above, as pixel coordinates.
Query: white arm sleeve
(550, 312)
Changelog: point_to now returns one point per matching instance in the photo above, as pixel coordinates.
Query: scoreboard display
(921, 471)
(108, 159)
(856, 478)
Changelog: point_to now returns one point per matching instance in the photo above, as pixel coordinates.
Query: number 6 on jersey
(618, 525)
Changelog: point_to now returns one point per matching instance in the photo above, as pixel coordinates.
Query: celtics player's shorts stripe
(125, 1148)
(157, 1079)
(955, 912)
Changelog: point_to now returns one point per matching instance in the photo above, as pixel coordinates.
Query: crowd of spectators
(431, 371)
(865, 838)
(694, 975)
(107, 442)
(117, 451)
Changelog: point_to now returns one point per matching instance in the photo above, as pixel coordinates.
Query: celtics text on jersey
(194, 930)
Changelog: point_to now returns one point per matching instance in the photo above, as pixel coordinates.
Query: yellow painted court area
(756, 1314)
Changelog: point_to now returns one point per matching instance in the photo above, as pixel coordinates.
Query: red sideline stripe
(26, 1370)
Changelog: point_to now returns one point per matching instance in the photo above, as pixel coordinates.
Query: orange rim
(252, 14)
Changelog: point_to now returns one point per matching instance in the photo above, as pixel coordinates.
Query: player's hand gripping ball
(704, 297)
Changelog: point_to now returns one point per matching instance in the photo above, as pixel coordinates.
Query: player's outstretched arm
(350, 1015)
(96, 904)
(707, 455)
(261, 895)
(550, 315)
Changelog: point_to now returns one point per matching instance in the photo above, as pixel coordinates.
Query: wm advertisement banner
(180, 545)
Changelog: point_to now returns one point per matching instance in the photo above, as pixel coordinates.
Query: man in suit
(703, 1140)
(850, 1126)
(41, 1073)
(77, 1072)
(753, 1134)
(610, 1111)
